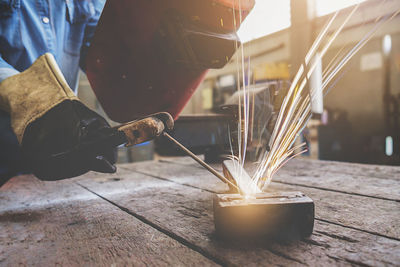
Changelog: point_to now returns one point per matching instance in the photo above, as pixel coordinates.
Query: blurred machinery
(217, 134)
(202, 134)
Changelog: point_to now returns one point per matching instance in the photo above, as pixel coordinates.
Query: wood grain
(160, 214)
(177, 203)
(60, 223)
(366, 180)
(182, 210)
(362, 170)
(369, 211)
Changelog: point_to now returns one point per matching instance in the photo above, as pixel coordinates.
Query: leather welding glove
(51, 124)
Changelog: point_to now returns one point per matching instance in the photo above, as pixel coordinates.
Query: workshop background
(361, 115)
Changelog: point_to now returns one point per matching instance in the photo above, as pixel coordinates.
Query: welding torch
(156, 125)
(140, 131)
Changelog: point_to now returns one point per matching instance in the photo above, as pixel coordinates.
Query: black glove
(69, 140)
(60, 137)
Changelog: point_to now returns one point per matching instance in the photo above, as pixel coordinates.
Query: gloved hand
(51, 124)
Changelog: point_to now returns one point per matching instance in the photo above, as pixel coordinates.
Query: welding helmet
(149, 56)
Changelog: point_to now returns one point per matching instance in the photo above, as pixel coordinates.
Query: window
(267, 16)
(325, 7)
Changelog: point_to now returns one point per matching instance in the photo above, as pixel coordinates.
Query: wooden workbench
(160, 213)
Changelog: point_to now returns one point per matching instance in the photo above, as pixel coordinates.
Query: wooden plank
(320, 177)
(60, 223)
(362, 170)
(27, 192)
(376, 216)
(180, 160)
(372, 180)
(187, 211)
(184, 211)
(368, 214)
(365, 186)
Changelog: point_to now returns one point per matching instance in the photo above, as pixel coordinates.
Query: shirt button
(45, 20)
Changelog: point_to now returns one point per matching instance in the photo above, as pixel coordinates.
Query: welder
(39, 110)
(146, 57)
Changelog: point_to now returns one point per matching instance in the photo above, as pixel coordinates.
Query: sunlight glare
(325, 7)
(268, 16)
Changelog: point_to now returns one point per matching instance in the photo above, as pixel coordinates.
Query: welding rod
(200, 161)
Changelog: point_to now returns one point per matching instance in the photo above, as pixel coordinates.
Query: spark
(295, 111)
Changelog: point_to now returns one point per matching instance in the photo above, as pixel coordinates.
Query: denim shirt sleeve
(98, 6)
(7, 25)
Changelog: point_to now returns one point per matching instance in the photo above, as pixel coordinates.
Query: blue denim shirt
(30, 28)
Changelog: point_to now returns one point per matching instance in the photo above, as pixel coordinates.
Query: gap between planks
(287, 183)
(319, 219)
(176, 237)
(363, 249)
(69, 225)
(337, 191)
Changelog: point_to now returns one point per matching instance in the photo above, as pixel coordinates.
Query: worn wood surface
(160, 213)
(61, 223)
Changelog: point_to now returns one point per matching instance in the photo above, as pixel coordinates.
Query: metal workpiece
(264, 216)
